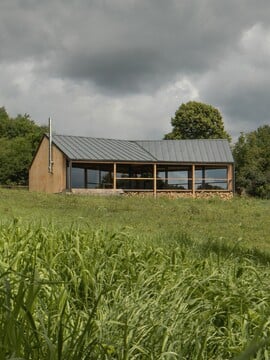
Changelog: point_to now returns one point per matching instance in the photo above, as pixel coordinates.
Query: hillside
(130, 278)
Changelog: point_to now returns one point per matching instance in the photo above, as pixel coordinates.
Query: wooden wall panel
(39, 177)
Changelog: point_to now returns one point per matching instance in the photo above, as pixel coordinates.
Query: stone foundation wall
(176, 195)
(104, 192)
(169, 194)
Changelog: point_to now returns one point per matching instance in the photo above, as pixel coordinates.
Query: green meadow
(133, 278)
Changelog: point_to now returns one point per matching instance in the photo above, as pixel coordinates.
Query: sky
(121, 68)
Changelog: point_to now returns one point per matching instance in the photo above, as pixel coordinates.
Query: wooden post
(230, 178)
(114, 176)
(155, 180)
(193, 180)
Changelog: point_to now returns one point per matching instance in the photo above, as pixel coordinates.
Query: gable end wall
(39, 177)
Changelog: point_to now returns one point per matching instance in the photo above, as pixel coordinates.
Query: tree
(19, 138)
(252, 162)
(196, 120)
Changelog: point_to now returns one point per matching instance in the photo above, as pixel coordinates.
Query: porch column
(193, 180)
(114, 176)
(230, 177)
(155, 180)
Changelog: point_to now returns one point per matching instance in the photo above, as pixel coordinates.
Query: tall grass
(200, 219)
(95, 294)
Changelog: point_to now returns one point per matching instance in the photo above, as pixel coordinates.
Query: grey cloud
(240, 85)
(124, 45)
(125, 69)
(251, 106)
(124, 48)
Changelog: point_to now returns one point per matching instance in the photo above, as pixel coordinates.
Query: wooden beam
(135, 178)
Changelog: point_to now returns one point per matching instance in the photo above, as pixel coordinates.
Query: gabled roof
(188, 151)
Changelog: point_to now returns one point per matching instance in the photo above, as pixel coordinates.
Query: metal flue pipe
(50, 164)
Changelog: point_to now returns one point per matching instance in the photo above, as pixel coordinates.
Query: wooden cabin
(85, 164)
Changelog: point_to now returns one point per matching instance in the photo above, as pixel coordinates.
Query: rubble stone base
(169, 194)
(104, 192)
(175, 195)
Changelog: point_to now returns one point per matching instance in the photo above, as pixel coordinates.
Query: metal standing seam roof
(195, 151)
(97, 149)
(86, 148)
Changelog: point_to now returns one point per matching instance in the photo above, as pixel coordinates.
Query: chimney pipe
(50, 167)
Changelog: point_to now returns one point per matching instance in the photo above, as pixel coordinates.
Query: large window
(170, 177)
(135, 177)
(141, 177)
(211, 178)
(99, 177)
(92, 176)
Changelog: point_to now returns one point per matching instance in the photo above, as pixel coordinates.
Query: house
(85, 164)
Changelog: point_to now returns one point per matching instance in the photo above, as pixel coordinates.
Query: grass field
(131, 278)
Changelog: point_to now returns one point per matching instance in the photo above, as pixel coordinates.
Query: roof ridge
(90, 137)
(134, 141)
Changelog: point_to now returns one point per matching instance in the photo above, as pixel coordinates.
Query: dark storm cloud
(24, 31)
(241, 84)
(123, 45)
(251, 105)
(127, 48)
(126, 69)
(132, 45)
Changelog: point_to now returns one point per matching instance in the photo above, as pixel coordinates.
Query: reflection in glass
(92, 176)
(173, 177)
(77, 178)
(211, 178)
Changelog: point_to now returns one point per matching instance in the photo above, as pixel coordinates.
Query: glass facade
(135, 177)
(92, 176)
(77, 178)
(140, 177)
(211, 178)
(173, 177)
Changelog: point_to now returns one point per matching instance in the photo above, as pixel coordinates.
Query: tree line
(251, 152)
(20, 136)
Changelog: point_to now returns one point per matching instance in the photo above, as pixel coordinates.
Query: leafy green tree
(252, 162)
(196, 120)
(19, 138)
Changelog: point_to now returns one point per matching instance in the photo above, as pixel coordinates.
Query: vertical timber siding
(39, 177)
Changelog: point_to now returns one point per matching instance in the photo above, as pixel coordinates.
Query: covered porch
(149, 177)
